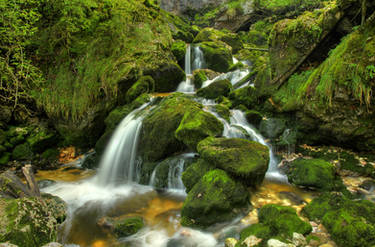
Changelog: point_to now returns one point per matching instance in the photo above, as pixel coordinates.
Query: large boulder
(167, 76)
(350, 223)
(246, 160)
(157, 138)
(215, 89)
(278, 222)
(30, 222)
(215, 198)
(145, 84)
(196, 126)
(245, 96)
(217, 55)
(211, 34)
(195, 172)
(314, 173)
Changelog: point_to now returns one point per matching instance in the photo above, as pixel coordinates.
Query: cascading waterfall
(234, 77)
(198, 62)
(118, 163)
(187, 86)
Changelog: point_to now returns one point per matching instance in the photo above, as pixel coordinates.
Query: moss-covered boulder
(196, 125)
(195, 172)
(145, 84)
(211, 34)
(217, 55)
(179, 49)
(350, 223)
(167, 76)
(215, 89)
(157, 138)
(215, 198)
(22, 152)
(272, 127)
(127, 227)
(41, 139)
(199, 78)
(245, 96)
(223, 111)
(314, 173)
(253, 117)
(246, 160)
(19, 228)
(275, 221)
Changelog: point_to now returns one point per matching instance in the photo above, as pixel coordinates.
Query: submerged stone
(127, 227)
(246, 160)
(215, 198)
(145, 84)
(196, 125)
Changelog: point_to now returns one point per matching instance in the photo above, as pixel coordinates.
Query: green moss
(199, 78)
(259, 230)
(215, 89)
(194, 173)
(50, 154)
(272, 127)
(157, 139)
(211, 34)
(22, 152)
(246, 160)
(167, 76)
(196, 125)
(127, 227)
(213, 199)
(314, 173)
(253, 117)
(217, 55)
(179, 49)
(350, 223)
(42, 138)
(223, 111)
(244, 96)
(145, 84)
(4, 158)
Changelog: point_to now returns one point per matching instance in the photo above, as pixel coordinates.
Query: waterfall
(118, 163)
(198, 62)
(234, 77)
(187, 86)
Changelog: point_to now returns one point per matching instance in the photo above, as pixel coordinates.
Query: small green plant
(370, 69)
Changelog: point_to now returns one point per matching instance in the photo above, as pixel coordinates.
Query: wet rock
(12, 187)
(214, 35)
(8, 245)
(246, 160)
(252, 241)
(167, 76)
(106, 224)
(218, 56)
(299, 239)
(196, 125)
(195, 172)
(230, 242)
(157, 138)
(127, 227)
(179, 49)
(215, 89)
(314, 173)
(244, 96)
(90, 160)
(26, 231)
(215, 198)
(368, 184)
(199, 77)
(278, 243)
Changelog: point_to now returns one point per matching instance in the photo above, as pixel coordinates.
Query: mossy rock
(41, 139)
(199, 78)
(272, 127)
(167, 76)
(259, 230)
(211, 34)
(237, 66)
(21, 229)
(196, 125)
(244, 96)
(223, 111)
(22, 152)
(119, 113)
(4, 158)
(215, 89)
(5, 114)
(246, 160)
(253, 117)
(3, 136)
(128, 227)
(157, 138)
(217, 55)
(145, 84)
(314, 173)
(195, 172)
(168, 169)
(17, 135)
(213, 199)
(350, 223)
(179, 50)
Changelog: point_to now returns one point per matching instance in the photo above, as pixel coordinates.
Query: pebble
(230, 242)
(252, 241)
(277, 243)
(299, 239)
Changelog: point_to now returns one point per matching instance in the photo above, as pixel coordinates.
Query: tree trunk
(364, 9)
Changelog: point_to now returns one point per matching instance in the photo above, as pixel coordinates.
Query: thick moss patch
(215, 89)
(214, 198)
(246, 160)
(218, 56)
(195, 172)
(127, 227)
(196, 125)
(145, 84)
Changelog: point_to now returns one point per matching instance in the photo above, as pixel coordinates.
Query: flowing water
(114, 192)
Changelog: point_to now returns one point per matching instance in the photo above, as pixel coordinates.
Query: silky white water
(198, 62)
(187, 86)
(234, 77)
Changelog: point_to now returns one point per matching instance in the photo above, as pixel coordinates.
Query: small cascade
(234, 77)
(118, 163)
(198, 62)
(187, 86)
